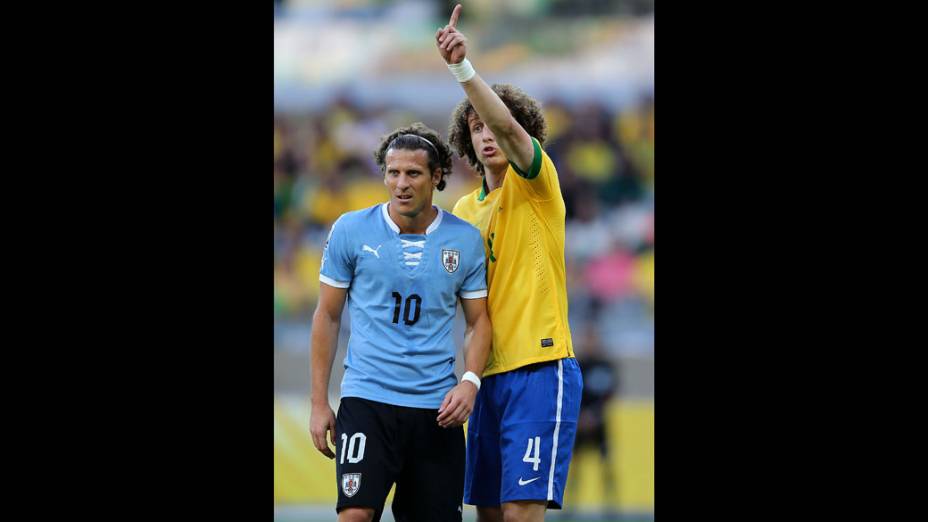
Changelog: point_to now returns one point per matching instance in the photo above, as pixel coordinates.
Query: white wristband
(463, 71)
(472, 377)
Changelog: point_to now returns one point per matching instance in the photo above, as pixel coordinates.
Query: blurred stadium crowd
(323, 167)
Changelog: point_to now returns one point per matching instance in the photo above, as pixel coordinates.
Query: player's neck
(414, 225)
(495, 179)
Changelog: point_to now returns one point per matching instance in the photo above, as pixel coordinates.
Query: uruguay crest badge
(450, 259)
(351, 483)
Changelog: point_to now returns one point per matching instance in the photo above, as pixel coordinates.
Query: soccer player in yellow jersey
(521, 431)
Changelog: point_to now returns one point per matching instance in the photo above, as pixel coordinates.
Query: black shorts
(379, 444)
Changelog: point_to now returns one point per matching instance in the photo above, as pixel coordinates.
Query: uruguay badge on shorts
(351, 483)
(450, 259)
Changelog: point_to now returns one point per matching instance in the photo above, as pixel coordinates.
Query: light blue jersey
(402, 296)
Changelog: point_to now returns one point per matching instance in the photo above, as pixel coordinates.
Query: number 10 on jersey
(413, 301)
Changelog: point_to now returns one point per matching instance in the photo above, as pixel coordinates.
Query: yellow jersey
(522, 223)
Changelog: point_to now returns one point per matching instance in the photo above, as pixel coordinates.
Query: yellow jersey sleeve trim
(536, 162)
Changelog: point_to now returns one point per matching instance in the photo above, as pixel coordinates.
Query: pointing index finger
(455, 15)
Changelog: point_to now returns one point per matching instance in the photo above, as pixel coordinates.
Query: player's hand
(452, 45)
(458, 404)
(322, 420)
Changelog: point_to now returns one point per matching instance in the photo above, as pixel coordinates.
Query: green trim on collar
(483, 189)
(536, 163)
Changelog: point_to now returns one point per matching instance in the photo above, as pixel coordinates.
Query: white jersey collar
(385, 210)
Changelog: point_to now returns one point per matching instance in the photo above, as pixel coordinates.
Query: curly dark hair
(523, 107)
(405, 138)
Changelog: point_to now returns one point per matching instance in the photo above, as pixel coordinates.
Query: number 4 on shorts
(528, 451)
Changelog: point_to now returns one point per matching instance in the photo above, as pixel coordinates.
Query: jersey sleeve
(458, 208)
(337, 268)
(541, 181)
(475, 283)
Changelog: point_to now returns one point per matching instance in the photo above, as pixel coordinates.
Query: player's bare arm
(326, 323)
(478, 334)
(459, 401)
(511, 137)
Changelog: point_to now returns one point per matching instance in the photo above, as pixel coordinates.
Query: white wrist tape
(472, 377)
(463, 71)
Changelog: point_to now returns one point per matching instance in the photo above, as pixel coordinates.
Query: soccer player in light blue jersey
(402, 266)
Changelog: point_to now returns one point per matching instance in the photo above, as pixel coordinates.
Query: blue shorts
(520, 436)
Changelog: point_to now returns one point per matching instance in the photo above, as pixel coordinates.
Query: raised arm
(511, 137)
(326, 323)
